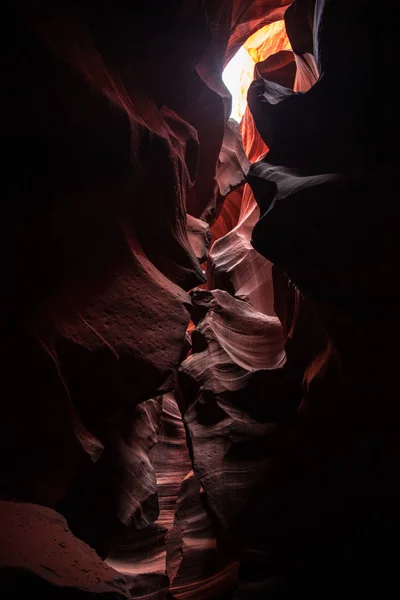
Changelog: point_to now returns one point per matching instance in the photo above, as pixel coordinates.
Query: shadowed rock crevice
(199, 329)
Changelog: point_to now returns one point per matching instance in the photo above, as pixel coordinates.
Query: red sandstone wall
(254, 451)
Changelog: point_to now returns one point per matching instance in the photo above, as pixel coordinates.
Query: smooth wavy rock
(232, 263)
(171, 459)
(233, 163)
(264, 98)
(39, 555)
(140, 553)
(199, 237)
(178, 552)
(197, 568)
(248, 17)
(306, 72)
(231, 385)
(336, 272)
(279, 67)
(299, 17)
(299, 23)
(123, 477)
(234, 266)
(228, 215)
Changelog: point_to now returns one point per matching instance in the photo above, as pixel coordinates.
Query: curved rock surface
(234, 266)
(232, 389)
(126, 181)
(140, 552)
(197, 568)
(39, 555)
(331, 248)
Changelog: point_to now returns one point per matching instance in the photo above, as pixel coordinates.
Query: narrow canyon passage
(200, 331)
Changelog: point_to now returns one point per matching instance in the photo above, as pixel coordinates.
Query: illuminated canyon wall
(200, 330)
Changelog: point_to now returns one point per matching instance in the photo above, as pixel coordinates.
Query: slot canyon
(200, 331)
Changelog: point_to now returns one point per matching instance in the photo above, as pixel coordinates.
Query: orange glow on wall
(239, 72)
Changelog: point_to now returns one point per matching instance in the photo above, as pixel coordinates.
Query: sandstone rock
(233, 389)
(196, 566)
(199, 237)
(40, 555)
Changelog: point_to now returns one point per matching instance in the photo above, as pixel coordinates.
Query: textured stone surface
(40, 556)
(335, 505)
(140, 553)
(199, 237)
(196, 566)
(233, 389)
(234, 265)
(125, 182)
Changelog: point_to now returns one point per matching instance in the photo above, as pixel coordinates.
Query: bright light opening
(239, 72)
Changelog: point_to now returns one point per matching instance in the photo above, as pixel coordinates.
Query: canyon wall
(199, 332)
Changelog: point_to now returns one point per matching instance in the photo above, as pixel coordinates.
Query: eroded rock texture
(199, 332)
(39, 555)
(335, 245)
(233, 388)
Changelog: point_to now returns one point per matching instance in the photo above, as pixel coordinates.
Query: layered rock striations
(199, 330)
